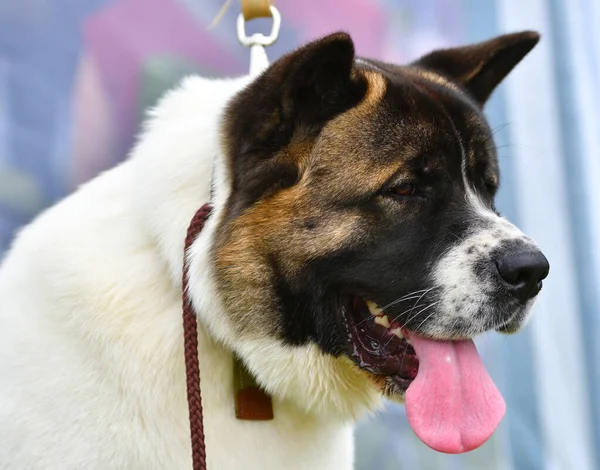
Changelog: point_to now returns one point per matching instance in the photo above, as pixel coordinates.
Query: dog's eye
(404, 190)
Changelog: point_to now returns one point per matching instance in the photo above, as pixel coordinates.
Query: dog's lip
(511, 326)
(517, 320)
(377, 344)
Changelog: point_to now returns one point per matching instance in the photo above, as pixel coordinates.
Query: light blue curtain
(553, 103)
(577, 43)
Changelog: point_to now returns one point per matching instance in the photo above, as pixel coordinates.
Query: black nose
(523, 271)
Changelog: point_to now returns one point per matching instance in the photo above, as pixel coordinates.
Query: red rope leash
(190, 344)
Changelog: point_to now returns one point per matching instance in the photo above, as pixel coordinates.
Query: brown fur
(289, 222)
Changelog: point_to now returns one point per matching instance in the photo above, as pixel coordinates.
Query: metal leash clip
(257, 42)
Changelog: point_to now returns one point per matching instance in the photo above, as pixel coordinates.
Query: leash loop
(258, 41)
(190, 344)
(259, 38)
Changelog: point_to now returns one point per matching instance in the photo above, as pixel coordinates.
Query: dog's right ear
(480, 67)
(301, 90)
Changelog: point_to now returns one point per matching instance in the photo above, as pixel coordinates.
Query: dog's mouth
(452, 403)
(379, 345)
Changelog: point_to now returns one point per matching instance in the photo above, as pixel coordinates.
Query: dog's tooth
(373, 308)
(397, 332)
(382, 320)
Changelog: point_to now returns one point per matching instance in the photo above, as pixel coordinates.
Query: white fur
(454, 275)
(91, 350)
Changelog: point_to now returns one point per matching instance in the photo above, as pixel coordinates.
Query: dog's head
(361, 211)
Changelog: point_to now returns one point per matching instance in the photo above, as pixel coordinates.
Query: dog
(352, 252)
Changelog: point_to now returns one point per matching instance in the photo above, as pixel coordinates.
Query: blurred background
(77, 75)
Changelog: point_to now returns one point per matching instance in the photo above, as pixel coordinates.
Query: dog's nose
(523, 271)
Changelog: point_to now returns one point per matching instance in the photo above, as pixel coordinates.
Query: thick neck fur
(179, 162)
(177, 158)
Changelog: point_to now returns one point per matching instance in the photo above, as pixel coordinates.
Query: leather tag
(251, 402)
(256, 9)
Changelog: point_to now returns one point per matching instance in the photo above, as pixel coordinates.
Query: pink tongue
(452, 405)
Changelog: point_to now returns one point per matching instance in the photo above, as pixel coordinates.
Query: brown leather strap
(190, 344)
(251, 402)
(256, 9)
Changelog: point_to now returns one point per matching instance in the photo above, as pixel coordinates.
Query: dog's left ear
(301, 90)
(479, 68)
(293, 98)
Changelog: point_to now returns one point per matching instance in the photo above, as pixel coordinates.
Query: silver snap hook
(258, 38)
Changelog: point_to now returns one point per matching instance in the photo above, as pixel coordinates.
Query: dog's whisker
(420, 297)
(404, 298)
(396, 302)
(418, 313)
(413, 307)
(396, 318)
(456, 236)
(428, 316)
(411, 317)
(393, 302)
(400, 314)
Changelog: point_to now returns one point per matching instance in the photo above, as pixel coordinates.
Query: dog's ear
(295, 96)
(479, 68)
(303, 90)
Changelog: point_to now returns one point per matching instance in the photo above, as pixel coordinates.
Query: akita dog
(352, 253)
